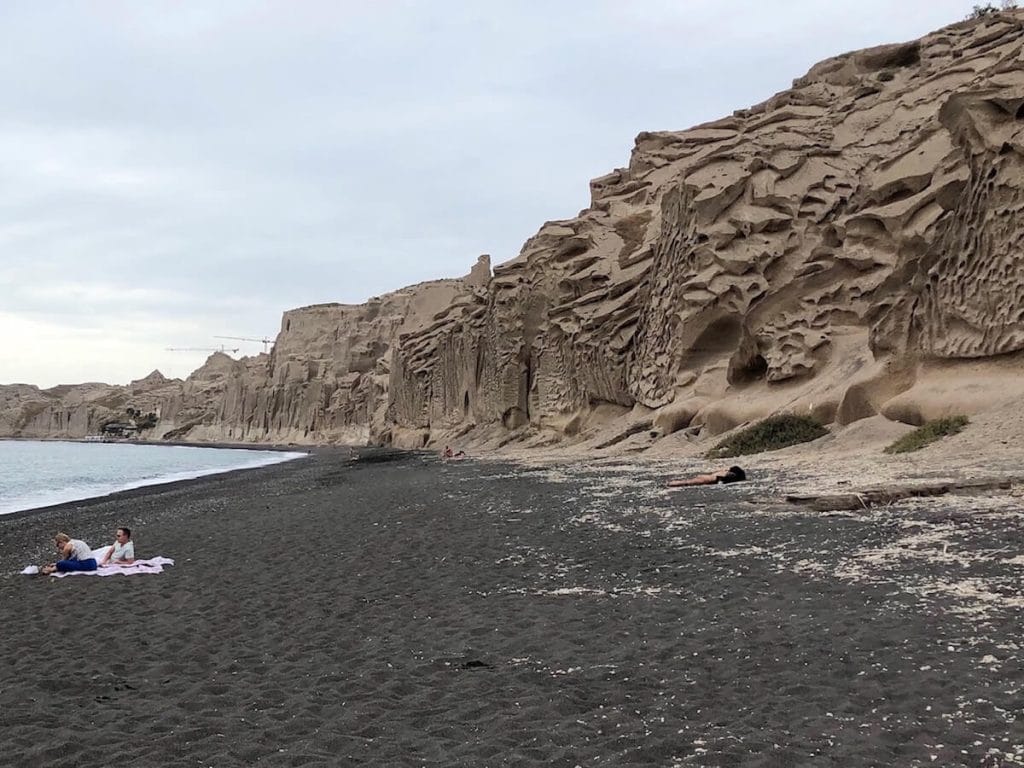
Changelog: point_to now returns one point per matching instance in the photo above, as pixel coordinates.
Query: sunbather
(75, 555)
(122, 552)
(730, 475)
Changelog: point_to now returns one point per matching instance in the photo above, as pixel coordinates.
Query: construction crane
(221, 348)
(264, 340)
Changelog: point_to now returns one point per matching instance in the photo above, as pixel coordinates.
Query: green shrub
(981, 11)
(927, 434)
(145, 422)
(769, 435)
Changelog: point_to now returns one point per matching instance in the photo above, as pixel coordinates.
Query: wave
(83, 491)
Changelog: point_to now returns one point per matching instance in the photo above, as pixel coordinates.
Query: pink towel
(153, 565)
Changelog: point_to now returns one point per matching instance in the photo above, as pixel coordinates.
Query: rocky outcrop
(75, 411)
(854, 229)
(847, 248)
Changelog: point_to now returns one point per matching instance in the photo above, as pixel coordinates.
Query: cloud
(96, 295)
(97, 353)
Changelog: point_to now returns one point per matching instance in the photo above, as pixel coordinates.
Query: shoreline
(157, 482)
(83, 515)
(343, 454)
(179, 444)
(843, 461)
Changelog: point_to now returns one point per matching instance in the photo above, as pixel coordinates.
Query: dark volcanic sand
(473, 614)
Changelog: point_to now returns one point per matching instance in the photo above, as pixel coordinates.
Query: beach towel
(152, 565)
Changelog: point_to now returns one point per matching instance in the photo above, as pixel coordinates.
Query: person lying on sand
(447, 454)
(122, 552)
(730, 475)
(75, 555)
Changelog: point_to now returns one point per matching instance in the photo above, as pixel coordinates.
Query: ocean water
(37, 474)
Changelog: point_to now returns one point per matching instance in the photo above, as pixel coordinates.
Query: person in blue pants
(75, 555)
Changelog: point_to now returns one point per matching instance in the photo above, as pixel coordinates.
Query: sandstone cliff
(326, 379)
(71, 411)
(849, 247)
(839, 249)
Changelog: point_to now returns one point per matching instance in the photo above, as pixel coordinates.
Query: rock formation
(326, 379)
(71, 411)
(847, 248)
(828, 250)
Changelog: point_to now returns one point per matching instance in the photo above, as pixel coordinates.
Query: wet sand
(410, 612)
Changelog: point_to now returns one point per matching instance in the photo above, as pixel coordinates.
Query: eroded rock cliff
(326, 379)
(849, 247)
(828, 250)
(71, 411)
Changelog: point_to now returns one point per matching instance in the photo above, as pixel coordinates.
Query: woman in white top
(122, 552)
(75, 555)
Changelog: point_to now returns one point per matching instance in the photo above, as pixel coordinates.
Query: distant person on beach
(75, 555)
(730, 475)
(447, 454)
(122, 552)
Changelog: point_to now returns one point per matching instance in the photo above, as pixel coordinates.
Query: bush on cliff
(928, 434)
(769, 435)
(145, 422)
(980, 11)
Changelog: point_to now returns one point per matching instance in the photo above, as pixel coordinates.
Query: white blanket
(152, 565)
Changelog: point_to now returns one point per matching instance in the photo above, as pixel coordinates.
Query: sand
(481, 613)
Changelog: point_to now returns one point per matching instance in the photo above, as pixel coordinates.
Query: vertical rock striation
(772, 259)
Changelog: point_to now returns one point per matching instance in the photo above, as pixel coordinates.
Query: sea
(40, 473)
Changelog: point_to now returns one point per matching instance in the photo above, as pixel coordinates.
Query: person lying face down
(75, 555)
(730, 475)
(122, 552)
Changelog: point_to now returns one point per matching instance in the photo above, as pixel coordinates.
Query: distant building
(120, 429)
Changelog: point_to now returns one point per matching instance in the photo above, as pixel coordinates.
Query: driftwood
(873, 497)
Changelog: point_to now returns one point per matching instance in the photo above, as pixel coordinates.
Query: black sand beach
(410, 612)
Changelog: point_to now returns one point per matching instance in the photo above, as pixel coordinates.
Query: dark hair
(127, 532)
(738, 472)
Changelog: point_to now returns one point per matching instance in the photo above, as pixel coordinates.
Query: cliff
(326, 379)
(847, 248)
(71, 411)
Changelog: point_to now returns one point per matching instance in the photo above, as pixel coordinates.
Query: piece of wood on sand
(873, 497)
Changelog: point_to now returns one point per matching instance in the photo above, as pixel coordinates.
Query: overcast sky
(173, 171)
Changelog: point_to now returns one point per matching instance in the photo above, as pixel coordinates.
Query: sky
(175, 171)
